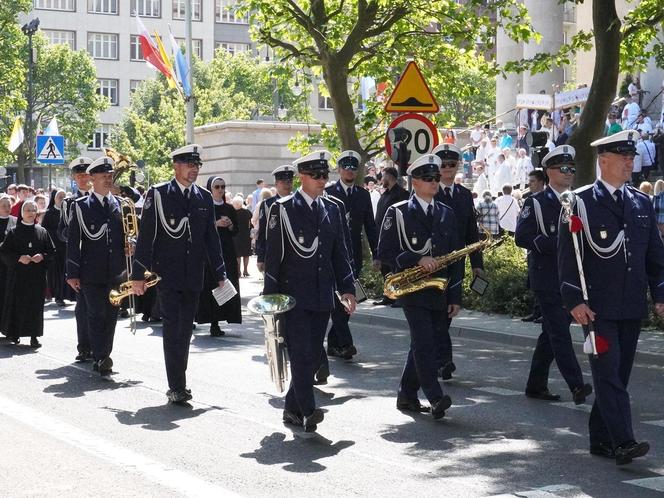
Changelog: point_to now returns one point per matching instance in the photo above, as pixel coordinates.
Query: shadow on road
(298, 454)
(159, 418)
(75, 386)
(8, 349)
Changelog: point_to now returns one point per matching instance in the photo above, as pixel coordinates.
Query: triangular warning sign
(49, 151)
(412, 93)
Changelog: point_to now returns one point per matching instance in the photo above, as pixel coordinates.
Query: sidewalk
(473, 324)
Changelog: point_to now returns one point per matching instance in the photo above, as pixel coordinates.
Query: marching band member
(413, 233)
(622, 255)
(79, 173)
(460, 200)
(359, 211)
(95, 259)
(177, 234)
(537, 231)
(306, 257)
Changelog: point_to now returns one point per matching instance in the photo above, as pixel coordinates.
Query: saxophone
(417, 278)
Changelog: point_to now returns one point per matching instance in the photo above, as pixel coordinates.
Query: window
(178, 9)
(146, 8)
(100, 137)
(133, 84)
(233, 48)
(103, 6)
(109, 89)
(69, 5)
(324, 102)
(135, 51)
(103, 45)
(196, 46)
(57, 37)
(224, 11)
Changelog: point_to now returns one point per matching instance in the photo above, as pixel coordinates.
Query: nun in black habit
(7, 222)
(26, 250)
(227, 227)
(56, 270)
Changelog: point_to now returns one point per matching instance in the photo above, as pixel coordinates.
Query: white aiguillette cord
(403, 237)
(176, 232)
(301, 250)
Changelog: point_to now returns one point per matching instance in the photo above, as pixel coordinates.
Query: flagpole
(190, 72)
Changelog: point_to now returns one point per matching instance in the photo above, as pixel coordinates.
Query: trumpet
(117, 295)
(417, 278)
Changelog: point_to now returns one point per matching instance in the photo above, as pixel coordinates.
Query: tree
(12, 70)
(64, 87)
(228, 87)
(345, 40)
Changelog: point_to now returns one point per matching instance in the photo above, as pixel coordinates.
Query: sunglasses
(218, 187)
(429, 179)
(449, 164)
(324, 175)
(566, 169)
(348, 167)
(194, 165)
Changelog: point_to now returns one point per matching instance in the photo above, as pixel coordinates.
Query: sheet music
(224, 294)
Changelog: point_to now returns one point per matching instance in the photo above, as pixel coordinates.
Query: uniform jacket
(360, 214)
(466, 218)
(65, 212)
(262, 225)
(617, 286)
(394, 251)
(179, 261)
(396, 194)
(310, 280)
(541, 240)
(99, 261)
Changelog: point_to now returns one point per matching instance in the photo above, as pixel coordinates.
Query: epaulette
(284, 199)
(636, 191)
(333, 198)
(584, 188)
(400, 203)
(159, 185)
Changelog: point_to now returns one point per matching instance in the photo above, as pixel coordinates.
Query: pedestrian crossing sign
(50, 149)
(412, 94)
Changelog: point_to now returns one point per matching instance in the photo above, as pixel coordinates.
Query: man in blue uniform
(95, 259)
(622, 255)
(460, 200)
(537, 231)
(177, 234)
(306, 258)
(283, 182)
(413, 233)
(81, 177)
(359, 212)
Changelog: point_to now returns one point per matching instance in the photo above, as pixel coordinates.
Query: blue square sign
(50, 149)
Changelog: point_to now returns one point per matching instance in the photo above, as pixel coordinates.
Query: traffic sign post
(418, 134)
(50, 149)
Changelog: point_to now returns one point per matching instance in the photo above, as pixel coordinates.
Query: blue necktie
(619, 200)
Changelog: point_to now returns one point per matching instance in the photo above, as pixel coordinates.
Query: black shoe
(395, 305)
(538, 320)
(439, 406)
(145, 318)
(124, 313)
(179, 396)
(386, 301)
(60, 302)
(104, 367)
(15, 340)
(292, 418)
(311, 422)
(193, 326)
(215, 331)
(604, 450)
(246, 274)
(579, 394)
(334, 351)
(411, 405)
(628, 451)
(530, 317)
(34, 343)
(446, 370)
(83, 356)
(545, 395)
(321, 376)
(348, 352)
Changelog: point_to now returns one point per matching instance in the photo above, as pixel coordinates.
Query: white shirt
(425, 205)
(630, 113)
(347, 188)
(502, 176)
(451, 187)
(375, 197)
(648, 154)
(481, 184)
(476, 137)
(182, 187)
(307, 198)
(508, 212)
(100, 198)
(613, 189)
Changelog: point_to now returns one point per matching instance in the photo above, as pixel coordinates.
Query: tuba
(417, 278)
(130, 229)
(272, 307)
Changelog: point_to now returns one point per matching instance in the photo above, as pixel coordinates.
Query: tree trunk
(21, 160)
(606, 26)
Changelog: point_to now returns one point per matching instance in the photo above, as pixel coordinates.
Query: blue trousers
(339, 335)
(555, 342)
(421, 368)
(81, 313)
(611, 414)
(178, 309)
(304, 331)
(101, 319)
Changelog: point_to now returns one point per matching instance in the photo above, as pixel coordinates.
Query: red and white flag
(150, 50)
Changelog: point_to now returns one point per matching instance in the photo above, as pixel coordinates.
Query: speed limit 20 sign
(421, 135)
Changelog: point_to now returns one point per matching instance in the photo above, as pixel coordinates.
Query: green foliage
(227, 88)
(506, 270)
(372, 280)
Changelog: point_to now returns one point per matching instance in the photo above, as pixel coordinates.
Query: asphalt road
(66, 432)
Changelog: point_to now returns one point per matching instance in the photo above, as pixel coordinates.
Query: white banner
(540, 101)
(571, 98)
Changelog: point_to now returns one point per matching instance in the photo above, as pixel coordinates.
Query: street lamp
(296, 88)
(282, 111)
(29, 29)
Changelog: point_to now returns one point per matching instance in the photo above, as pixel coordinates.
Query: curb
(479, 334)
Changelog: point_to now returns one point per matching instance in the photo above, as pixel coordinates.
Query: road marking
(153, 470)
(572, 406)
(545, 492)
(658, 423)
(654, 483)
(498, 390)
